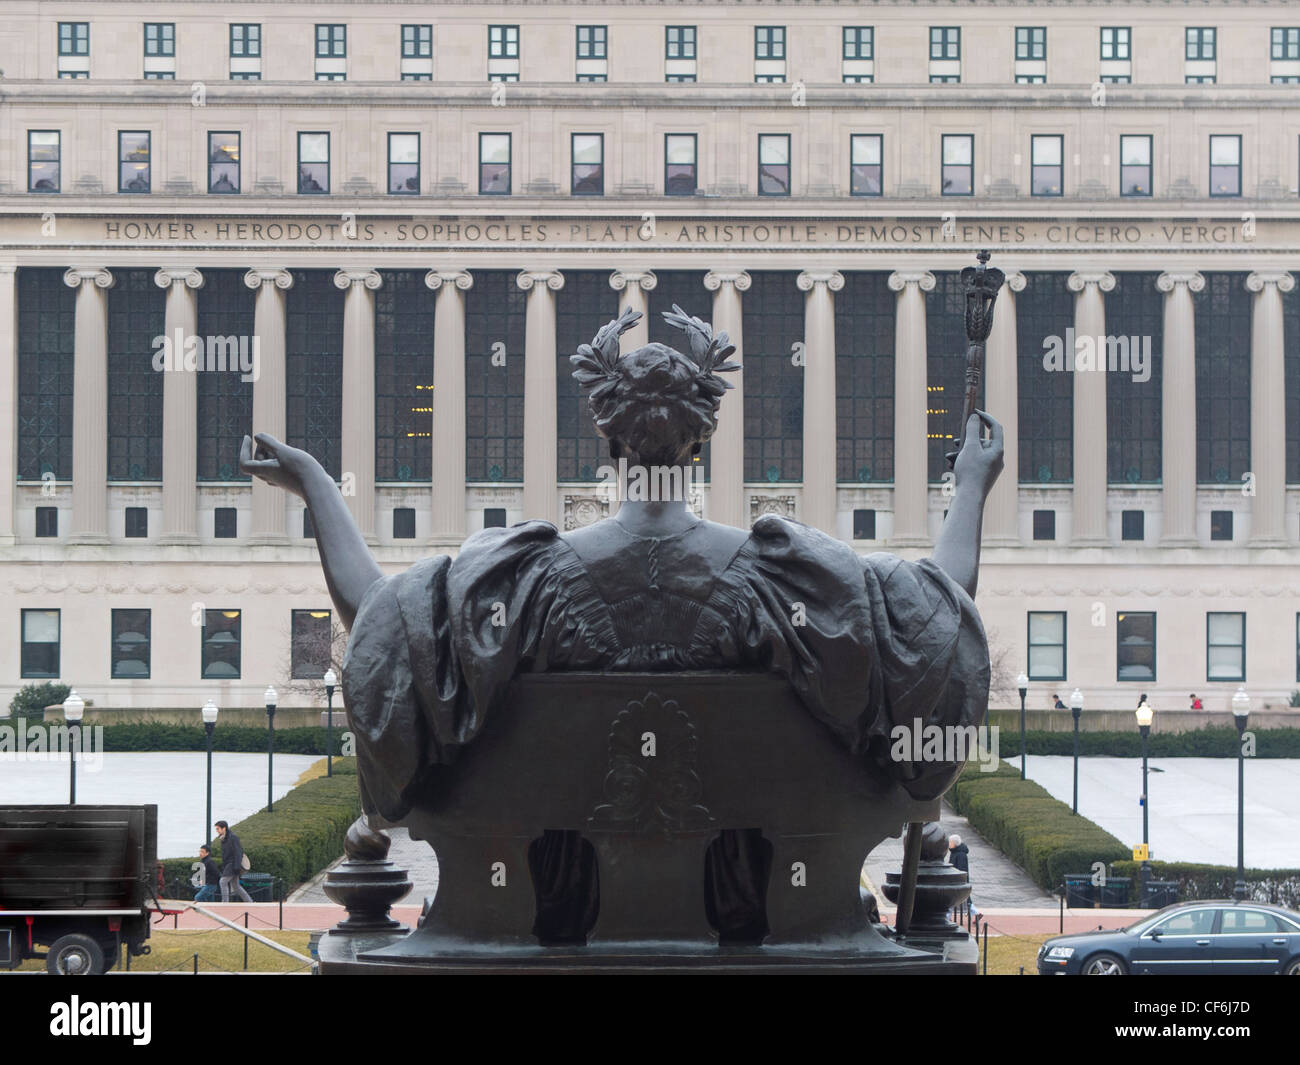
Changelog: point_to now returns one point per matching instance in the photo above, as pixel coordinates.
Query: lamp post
(1144, 716)
(270, 697)
(1076, 708)
(73, 707)
(331, 679)
(1240, 715)
(1022, 684)
(209, 713)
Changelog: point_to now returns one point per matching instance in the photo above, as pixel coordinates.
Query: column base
(88, 538)
(268, 540)
(1091, 541)
(179, 539)
(1179, 541)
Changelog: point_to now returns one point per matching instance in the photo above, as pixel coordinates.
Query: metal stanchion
(245, 942)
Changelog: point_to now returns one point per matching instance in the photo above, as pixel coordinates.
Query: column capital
(552, 279)
(350, 279)
(1170, 279)
(643, 279)
(1283, 279)
(99, 276)
(739, 279)
(188, 276)
(1015, 280)
(276, 276)
(1081, 279)
(461, 279)
(832, 279)
(900, 279)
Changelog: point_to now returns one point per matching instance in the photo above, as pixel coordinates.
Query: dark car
(1222, 937)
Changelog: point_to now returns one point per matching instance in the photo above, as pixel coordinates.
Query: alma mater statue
(865, 643)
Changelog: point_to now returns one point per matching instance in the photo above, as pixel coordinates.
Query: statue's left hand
(980, 460)
(275, 463)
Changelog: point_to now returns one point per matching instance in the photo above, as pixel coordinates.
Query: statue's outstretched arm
(349, 567)
(957, 551)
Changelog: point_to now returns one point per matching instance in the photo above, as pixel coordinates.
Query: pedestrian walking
(209, 891)
(1058, 705)
(1196, 703)
(959, 858)
(232, 864)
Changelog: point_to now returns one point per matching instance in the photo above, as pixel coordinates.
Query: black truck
(75, 884)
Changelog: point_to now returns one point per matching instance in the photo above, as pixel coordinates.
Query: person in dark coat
(232, 864)
(211, 877)
(959, 858)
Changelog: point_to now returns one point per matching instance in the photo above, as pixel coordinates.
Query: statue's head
(655, 403)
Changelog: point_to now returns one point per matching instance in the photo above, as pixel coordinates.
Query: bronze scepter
(981, 285)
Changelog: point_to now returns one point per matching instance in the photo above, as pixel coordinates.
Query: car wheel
(75, 955)
(1104, 965)
(1291, 968)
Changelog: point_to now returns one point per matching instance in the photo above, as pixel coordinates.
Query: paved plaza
(1193, 811)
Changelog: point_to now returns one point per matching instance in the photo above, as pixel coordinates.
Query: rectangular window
(403, 523)
(1047, 154)
(223, 162)
(769, 42)
(866, 170)
(1225, 646)
(587, 174)
(245, 40)
(43, 160)
(774, 164)
(1135, 165)
(404, 164)
(331, 41)
(681, 173)
(313, 163)
(945, 79)
(47, 521)
(679, 42)
(137, 523)
(1031, 42)
(593, 42)
(958, 164)
(859, 42)
(310, 639)
(494, 517)
(160, 38)
(129, 649)
(221, 643)
(1220, 525)
(1225, 164)
(1135, 646)
(417, 42)
(1200, 42)
(503, 42)
(1116, 42)
(1115, 79)
(74, 38)
(40, 647)
(1044, 525)
(133, 161)
(1031, 79)
(159, 75)
(1046, 645)
(225, 523)
(1133, 525)
(1285, 42)
(945, 42)
(864, 524)
(494, 164)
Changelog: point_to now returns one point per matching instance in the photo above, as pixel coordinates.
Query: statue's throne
(650, 769)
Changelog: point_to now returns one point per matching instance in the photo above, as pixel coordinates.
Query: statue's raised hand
(980, 460)
(275, 463)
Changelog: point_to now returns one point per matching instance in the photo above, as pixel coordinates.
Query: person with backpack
(233, 862)
(211, 876)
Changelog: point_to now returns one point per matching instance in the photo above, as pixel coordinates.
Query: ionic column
(357, 445)
(911, 400)
(727, 449)
(8, 398)
(634, 284)
(90, 405)
(180, 407)
(449, 404)
(540, 492)
(819, 422)
(1089, 507)
(269, 403)
(1002, 394)
(1178, 402)
(1268, 407)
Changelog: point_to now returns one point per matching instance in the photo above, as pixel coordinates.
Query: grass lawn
(218, 950)
(1008, 953)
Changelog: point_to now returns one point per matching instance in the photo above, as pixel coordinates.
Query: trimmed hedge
(153, 736)
(1199, 743)
(1037, 832)
(1281, 887)
(298, 840)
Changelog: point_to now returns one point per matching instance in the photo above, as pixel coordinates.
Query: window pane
(1046, 661)
(773, 150)
(1225, 151)
(313, 147)
(680, 149)
(866, 149)
(1046, 628)
(1226, 628)
(957, 150)
(587, 148)
(404, 148)
(1047, 151)
(41, 626)
(1135, 151)
(494, 148)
